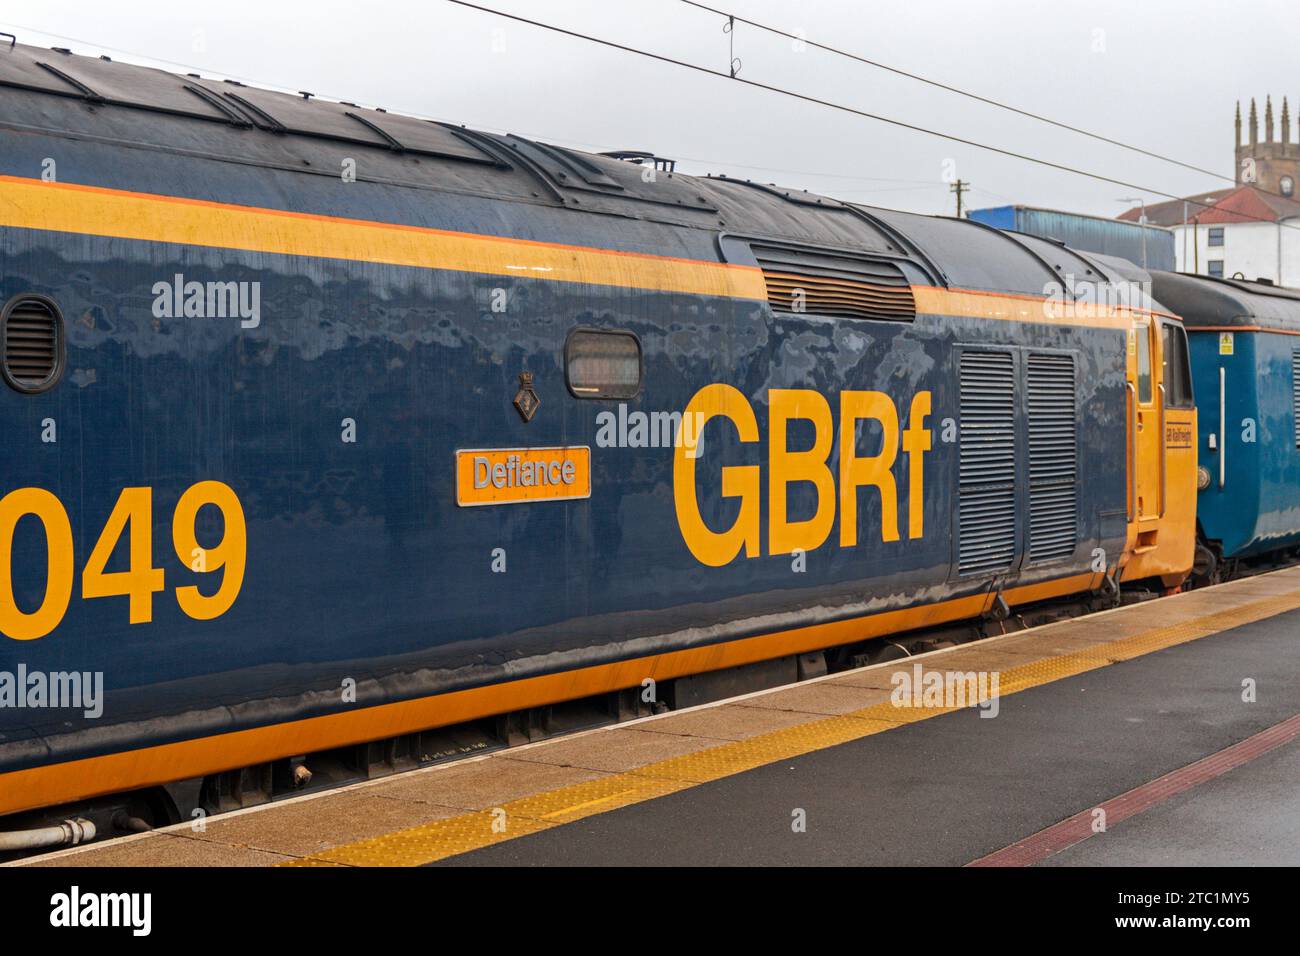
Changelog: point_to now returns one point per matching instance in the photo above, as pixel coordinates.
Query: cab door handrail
(1133, 450)
(1164, 452)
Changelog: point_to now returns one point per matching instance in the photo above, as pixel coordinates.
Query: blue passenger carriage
(1245, 353)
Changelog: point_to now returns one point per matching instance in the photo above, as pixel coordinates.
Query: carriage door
(1145, 410)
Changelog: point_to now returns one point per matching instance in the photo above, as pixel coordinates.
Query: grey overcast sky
(1161, 74)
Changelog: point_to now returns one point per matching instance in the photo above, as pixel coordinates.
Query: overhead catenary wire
(706, 70)
(829, 104)
(954, 89)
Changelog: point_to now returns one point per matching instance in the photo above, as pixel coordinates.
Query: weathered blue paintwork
(1257, 507)
(360, 564)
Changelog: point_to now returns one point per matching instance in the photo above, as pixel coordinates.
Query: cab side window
(1177, 367)
(1143, 334)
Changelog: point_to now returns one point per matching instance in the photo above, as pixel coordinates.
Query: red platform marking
(1078, 828)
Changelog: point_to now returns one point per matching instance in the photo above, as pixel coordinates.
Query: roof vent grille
(822, 283)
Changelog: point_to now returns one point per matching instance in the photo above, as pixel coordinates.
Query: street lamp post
(1142, 222)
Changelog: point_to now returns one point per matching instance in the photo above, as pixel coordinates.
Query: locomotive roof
(1208, 301)
(56, 91)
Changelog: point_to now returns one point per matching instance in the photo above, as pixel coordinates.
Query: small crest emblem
(526, 399)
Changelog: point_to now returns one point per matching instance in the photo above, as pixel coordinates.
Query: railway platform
(1162, 733)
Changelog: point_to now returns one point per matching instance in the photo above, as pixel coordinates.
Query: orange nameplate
(504, 476)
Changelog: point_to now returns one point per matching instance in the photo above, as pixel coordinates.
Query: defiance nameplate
(505, 476)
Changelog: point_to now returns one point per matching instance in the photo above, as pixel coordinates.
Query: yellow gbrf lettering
(711, 547)
(916, 442)
(785, 466)
(59, 574)
(874, 470)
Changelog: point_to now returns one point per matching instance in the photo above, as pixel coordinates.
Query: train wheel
(1205, 566)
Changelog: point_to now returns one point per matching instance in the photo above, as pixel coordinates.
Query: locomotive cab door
(1145, 410)
(1161, 452)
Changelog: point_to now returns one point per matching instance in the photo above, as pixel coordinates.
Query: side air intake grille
(987, 486)
(1295, 392)
(33, 343)
(829, 284)
(1053, 457)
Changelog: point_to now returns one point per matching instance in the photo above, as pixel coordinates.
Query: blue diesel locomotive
(327, 426)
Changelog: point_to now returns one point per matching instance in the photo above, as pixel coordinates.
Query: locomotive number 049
(141, 580)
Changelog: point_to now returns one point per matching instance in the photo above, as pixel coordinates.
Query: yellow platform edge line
(466, 832)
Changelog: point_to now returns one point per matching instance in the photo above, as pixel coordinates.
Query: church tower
(1271, 161)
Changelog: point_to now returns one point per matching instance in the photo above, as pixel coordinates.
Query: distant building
(1110, 237)
(1272, 165)
(1252, 229)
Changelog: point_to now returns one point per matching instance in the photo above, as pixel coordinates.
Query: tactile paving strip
(426, 843)
(460, 834)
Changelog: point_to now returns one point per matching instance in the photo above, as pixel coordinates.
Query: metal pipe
(67, 833)
(123, 822)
